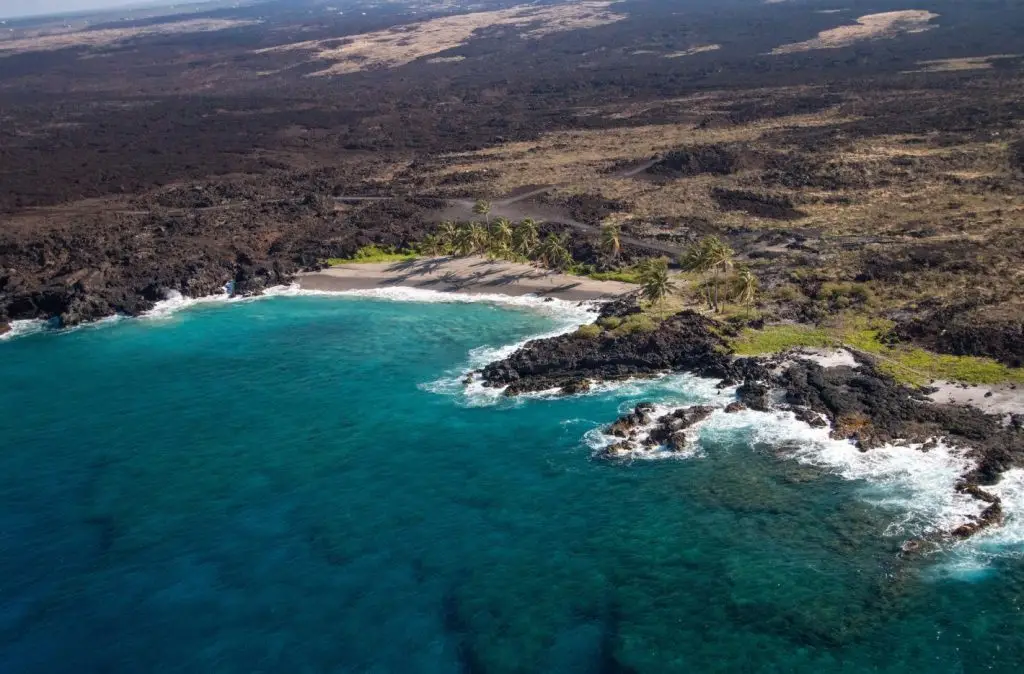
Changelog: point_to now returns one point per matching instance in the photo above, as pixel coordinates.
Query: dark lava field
(852, 153)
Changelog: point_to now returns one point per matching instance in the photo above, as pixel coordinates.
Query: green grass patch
(589, 331)
(777, 338)
(630, 275)
(636, 323)
(919, 366)
(374, 253)
(909, 364)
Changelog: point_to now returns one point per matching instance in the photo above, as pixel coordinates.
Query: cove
(294, 485)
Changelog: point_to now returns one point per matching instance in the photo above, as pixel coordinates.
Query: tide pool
(297, 484)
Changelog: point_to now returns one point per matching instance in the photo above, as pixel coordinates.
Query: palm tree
(463, 243)
(654, 281)
(432, 245)
(710, 255)
(697, 258)
(478, 237)
(553, 252)
(525, 238)
(446, 234)
(483, 207)
(720, 258)
(611, 239)
(501, 238)
(746, 288)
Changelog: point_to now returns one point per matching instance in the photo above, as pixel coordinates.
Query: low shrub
(636, 323)
(375, 253)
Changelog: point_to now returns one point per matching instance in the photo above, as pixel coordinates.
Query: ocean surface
(300, 484)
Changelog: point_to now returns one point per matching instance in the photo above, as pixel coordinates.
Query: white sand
(828, 357)
(472, 275)
(1004, 398)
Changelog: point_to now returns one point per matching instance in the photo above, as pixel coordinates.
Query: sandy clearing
(999, 399)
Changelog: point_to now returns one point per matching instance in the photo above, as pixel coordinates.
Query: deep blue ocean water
(289, 485)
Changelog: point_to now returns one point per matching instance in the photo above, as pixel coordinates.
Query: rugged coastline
(849, 395)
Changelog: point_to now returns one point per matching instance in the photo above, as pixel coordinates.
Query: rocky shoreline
(856, 400)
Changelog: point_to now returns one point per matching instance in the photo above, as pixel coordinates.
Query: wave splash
(918, 487)
(25, 328)
(465, 384)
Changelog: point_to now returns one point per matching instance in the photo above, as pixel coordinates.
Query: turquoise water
(289, 485)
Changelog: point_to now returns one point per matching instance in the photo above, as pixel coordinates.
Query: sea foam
(917, 487)
(23, 328)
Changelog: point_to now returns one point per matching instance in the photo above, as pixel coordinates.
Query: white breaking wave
(22, 328)
(570, 314)
(667, 393)
(974, 557)
(921, 486)
(918, 487)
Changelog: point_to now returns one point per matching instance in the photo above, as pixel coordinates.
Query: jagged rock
(754, 395)
(4, 328)
(618, 450)
(625, 425)
(622, 307)
(990, 516)
(691, 415)
(677, 441)
(671, 425)
(811, 418)
(734, 407)
(686, 341)
(576, 386)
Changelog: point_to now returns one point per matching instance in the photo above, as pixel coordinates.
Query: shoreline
(469, 275)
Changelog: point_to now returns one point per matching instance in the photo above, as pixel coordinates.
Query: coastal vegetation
(654, 280)
(905, 363)
(501, 240)
(713, 259)
(611, 239)
(375, 253)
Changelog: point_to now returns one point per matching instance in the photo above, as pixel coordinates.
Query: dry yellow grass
(578, 161)
(699, 49)
(108, 36)
(403, 44)
(955, 65)
(868, 27)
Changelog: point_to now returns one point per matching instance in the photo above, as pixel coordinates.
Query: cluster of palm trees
(711, 257)
(499, 240)
(714, 259)
(504, 240)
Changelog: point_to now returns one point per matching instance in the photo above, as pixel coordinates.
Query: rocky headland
(858, 401)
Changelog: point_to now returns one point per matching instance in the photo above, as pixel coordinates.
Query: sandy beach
(472, 275)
